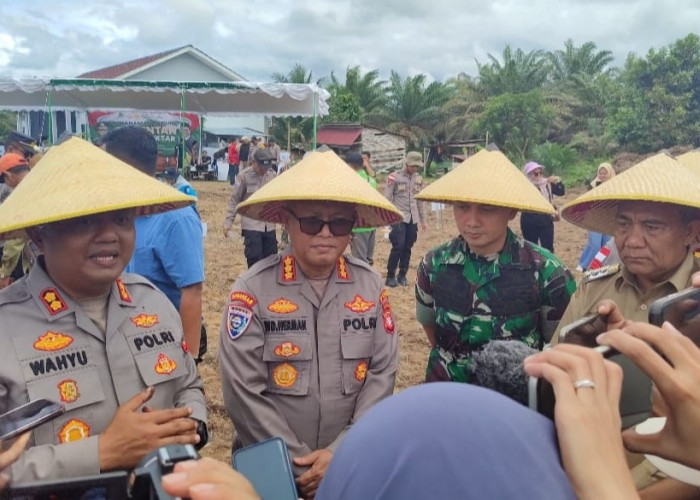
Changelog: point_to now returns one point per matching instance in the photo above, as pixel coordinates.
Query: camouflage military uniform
(471, 300)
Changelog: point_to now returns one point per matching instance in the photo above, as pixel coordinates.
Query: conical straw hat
(690, 160)
(488, 177)
(320, 176)
(659, 178)
(76, 179)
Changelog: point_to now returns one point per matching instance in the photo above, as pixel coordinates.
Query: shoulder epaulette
(14, 294)
(601, 272)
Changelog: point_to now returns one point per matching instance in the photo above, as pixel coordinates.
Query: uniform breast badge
(361, 371)
(52, 341)
(282, 306)
(68, 390)
(165, 365)
(73, 430)
(284, 375)
(145, 320)
(287, 350)
(359, 304)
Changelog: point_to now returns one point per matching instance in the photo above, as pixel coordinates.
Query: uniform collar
(678, 280)
(289, 272)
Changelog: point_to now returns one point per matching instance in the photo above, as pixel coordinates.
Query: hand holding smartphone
(682, 310)
(28, 416)
(267, 466)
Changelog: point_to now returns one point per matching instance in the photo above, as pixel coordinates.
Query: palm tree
(292, 130)
(413, 108)
(519, 72)
(369, 90)
(573, 62)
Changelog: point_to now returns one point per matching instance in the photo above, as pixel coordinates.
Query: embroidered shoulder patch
(73, 430)
(288, 269)
(165, 365)
(237, 320)
(53, 301)
(359, 305)
(123, 292)
(52, 341)
(244, 298)
(282, 306)
(145, 320)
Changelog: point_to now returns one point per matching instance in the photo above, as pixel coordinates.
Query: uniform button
(643, 307)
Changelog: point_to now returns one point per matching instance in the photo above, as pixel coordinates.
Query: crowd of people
(107, 320)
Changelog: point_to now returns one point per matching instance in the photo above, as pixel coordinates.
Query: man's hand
(207, 479)
(309, 481)
(10, 455)
(132, 434)
(615, 319)
(226, 230)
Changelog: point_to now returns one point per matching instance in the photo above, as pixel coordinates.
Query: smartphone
(635, 400)
(681, 309)
(28, 416)
(267, 466)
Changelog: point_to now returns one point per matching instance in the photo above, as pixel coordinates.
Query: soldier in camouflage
(487, 283)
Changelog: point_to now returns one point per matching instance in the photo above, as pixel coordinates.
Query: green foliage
(344, 107)
(516, 122)
(519, 72)
(8, 123)
(556, 157)
(298, 130)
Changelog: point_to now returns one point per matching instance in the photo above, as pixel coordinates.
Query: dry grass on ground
(224, 262)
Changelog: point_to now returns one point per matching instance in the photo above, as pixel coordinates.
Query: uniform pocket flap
(74, 389)
(292, 347)
(160, 366)
(356, 346)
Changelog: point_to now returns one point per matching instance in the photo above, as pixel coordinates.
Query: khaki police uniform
(248, 182)
(52, 350)
(401, 189)
(616, 283)
(302, 368)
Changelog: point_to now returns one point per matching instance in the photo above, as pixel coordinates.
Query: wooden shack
(387, 149)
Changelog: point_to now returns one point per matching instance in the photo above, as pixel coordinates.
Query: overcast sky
(255, 38)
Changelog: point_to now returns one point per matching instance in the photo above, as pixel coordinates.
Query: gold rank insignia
(289, 269)
(359, 305)
(53, 301)
(282, 306)
(73, 430)
(68, 390)
(342, 266)
(601, 272)
(165, 365)
(287, 350)
(52, 341)
(244, 298)
(361, 371)
(123, 292)
(145, 320)
(284, 375)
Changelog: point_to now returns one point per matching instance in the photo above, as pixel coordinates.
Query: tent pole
(50, 103)
(315, 106)
(182, 137)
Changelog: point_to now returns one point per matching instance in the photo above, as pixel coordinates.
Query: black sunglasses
(314, 225)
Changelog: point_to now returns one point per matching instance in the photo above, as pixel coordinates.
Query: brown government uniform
(248, 182)
(616, 283)
(401, 189)
(304, 368)
(53, 350)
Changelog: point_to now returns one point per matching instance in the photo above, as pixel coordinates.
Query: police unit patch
(145, 320)
(282, 306)
(359, 305)
(68, 390)
(389, 325)
(243, 298)
(53, 301)
(237, 320)
(123, 292)
(342, 266)
(287, 350)
(52, 341)
(289, 269)
(284, 375)
(165, 365)
(73, 430)
(361, 371)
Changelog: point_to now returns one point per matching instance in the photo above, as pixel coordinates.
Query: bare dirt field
(224, 262)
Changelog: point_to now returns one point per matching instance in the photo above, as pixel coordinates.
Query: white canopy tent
(205, 98)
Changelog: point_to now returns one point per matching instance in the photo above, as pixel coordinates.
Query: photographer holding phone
(10, 455)
(76, 330)
(651, 210)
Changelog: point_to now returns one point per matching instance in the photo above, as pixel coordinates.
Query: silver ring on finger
(584, 383)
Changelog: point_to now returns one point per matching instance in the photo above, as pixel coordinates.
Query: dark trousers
(258, 244)
(232, 172)
(538, 229)
(402, 236)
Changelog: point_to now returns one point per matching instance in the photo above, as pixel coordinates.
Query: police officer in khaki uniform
(109, 346)
(401, 189)
(259, 237)
(652, 211)
(308, 342)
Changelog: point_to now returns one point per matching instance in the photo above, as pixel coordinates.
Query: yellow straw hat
(320, 176)
(76, 179)
(690, 160)
(489, 178)
(659, 178)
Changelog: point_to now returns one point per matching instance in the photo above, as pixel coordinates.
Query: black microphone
(499, 367)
